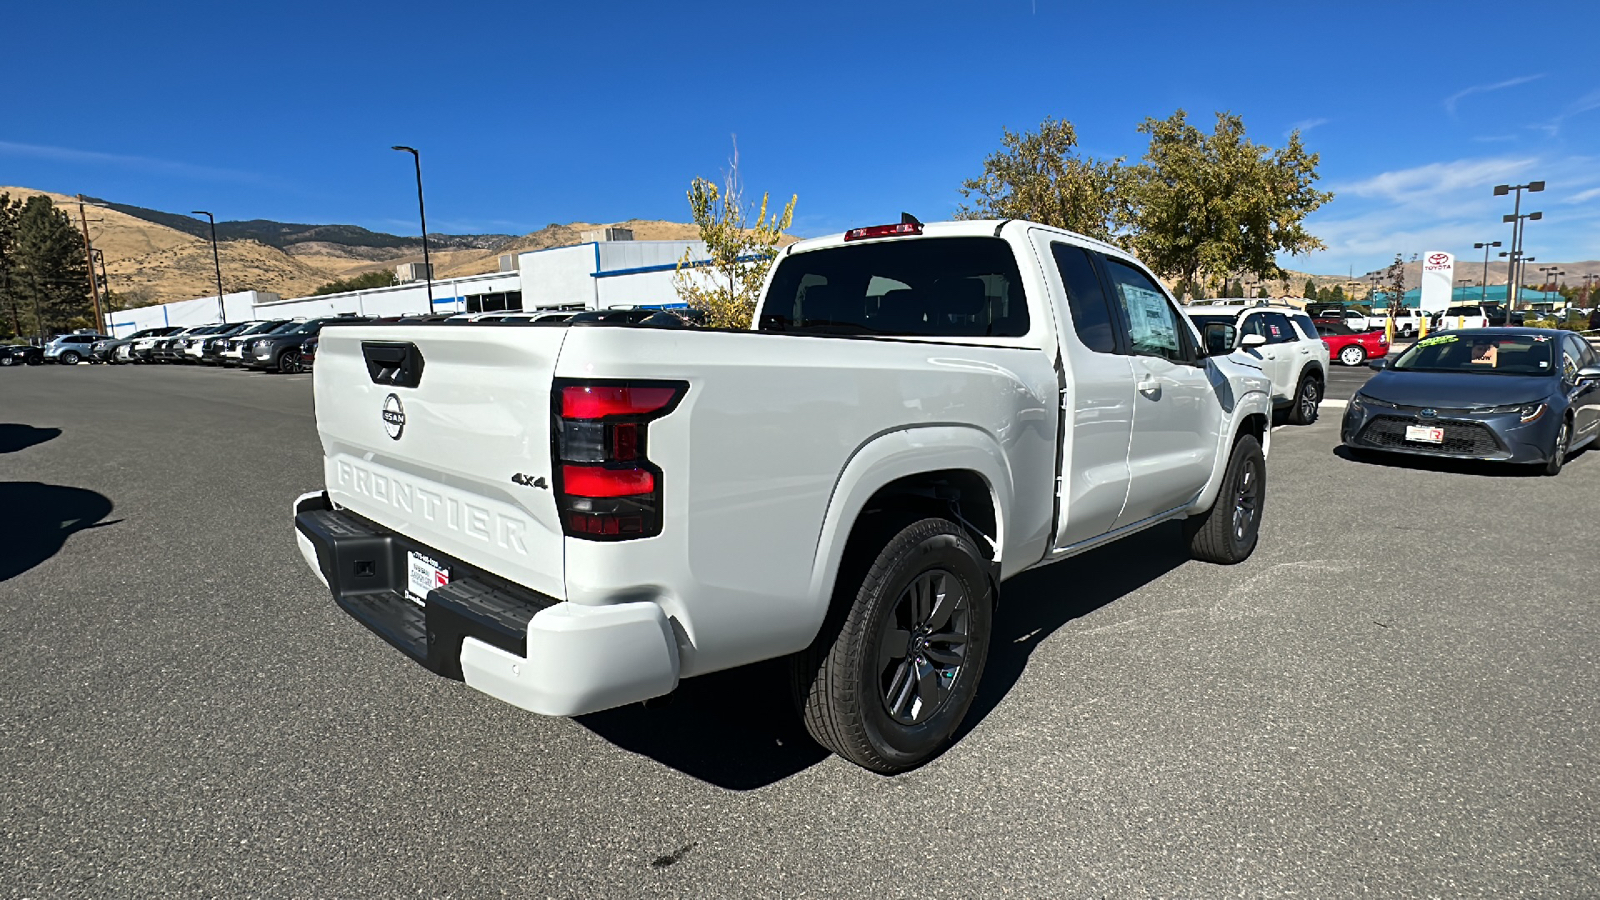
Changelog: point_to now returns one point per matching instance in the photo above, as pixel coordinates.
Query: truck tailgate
(432, 452)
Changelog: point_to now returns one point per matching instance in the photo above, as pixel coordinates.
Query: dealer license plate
(423, 574)
(1424, 434)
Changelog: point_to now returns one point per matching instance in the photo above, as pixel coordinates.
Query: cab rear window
(929, 287)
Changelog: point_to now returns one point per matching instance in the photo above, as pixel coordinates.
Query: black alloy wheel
(1307, 400)
(289, 361)
(1227, 533)
(896, 666)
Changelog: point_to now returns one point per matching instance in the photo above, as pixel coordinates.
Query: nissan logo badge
(394, 416)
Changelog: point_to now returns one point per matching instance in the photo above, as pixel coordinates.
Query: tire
(8, 360)
(888, 681)
(68, 358)
(1307, 396)
(1352, 354)
(289, 361)
(1227, 533)
(1558, 453)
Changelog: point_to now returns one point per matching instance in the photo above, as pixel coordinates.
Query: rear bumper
(519, 646)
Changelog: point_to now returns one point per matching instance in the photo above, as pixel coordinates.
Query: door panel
(1175, 416)
(1098, 400)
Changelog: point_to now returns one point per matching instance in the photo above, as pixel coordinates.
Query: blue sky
(532, 113)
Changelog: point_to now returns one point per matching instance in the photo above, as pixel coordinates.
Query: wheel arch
(951, 471)
(1254, 418)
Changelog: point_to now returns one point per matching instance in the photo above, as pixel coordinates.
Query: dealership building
(600, 274)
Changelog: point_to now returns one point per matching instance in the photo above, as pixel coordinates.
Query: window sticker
(1441, 339)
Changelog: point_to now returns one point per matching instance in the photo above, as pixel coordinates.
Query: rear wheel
(1353, 355)
(888, 686)
(1307, 398)
(1227, 532)
(8, 360)
(1558, 453)
(69, 358)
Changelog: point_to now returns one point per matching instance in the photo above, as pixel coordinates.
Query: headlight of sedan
(1528, 412)
(1363, 401)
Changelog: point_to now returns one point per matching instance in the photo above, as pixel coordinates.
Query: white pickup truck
(574, 515)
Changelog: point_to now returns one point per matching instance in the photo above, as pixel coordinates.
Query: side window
(1572, 357)
(1256, 324)
(1153, 328)
(1308, 328)
(1279, 331)
(1091, 316)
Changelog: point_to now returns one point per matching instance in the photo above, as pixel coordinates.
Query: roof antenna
(908, 219)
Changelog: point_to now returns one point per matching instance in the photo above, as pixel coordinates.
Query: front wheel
(1353, 355)
(888, 686)
(1558, 453)
(1307, 398)
(1227, 532)
(289, 361)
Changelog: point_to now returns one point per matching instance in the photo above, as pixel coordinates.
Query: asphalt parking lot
(1396, 696)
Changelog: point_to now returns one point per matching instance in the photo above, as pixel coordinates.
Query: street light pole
(1516, 218)
(1483, 295)
(216, 260)
(88, 257)
(422, 213)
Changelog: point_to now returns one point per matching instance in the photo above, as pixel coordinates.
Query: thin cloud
(1430, 181)
(1305, 125)
(1590, 194)
(1451, 101)
(138, 163)
(1583, 104)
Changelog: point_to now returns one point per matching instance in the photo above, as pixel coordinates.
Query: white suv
(1282, 341)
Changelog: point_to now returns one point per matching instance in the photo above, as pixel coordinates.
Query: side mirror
(1253, 340)
(1218, 338)
(1589, 373)
(1380, 363)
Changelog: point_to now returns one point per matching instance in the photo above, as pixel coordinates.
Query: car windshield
(1491, 354)
(1201, 322)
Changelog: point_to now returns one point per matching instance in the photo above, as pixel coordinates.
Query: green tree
(1039, 176)
(1336, 294)
(1220, 202)
(48, 267)
(726, 286)
(1394, 284)
(10, 211)
(366, 281)
(1310, 290)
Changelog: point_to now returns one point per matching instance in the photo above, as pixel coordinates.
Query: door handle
(1149, 388)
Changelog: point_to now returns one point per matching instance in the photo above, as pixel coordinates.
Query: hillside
(157, 257)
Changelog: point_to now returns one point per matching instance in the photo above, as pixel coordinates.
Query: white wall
(240, 306)
(558, 275)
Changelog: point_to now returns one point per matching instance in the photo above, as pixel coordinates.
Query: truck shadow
(739, 729)
(15, 437)
(36, 520)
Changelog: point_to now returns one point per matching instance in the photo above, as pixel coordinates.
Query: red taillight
(598, 481)
(606, 486)
(596, 401)
(878, 231)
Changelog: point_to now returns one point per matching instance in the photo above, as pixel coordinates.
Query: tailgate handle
(393, 363)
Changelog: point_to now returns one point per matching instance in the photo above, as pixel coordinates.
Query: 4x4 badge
(394, 416)
(529, 480)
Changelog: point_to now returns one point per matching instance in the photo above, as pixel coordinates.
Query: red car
(1352, 347)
